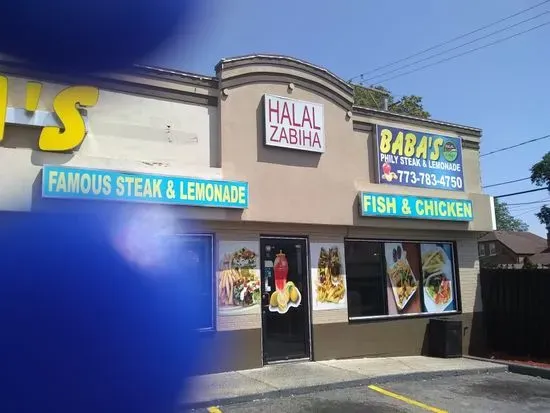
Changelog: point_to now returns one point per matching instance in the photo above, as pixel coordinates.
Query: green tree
(544, 215)
(371, 97)
(540, 176)
(374, 98)
(528, 265)
(410, 105)
(506, 221)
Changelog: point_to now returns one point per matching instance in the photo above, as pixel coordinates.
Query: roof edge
(462, 129)
(287, 59)
(136, 69)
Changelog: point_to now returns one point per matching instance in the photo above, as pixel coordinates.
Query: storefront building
(321, 229)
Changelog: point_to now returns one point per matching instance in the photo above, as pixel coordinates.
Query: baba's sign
(294, 124)
(63, 129)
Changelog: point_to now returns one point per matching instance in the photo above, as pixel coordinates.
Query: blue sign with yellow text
(408, 206)
(419, 159)
(84, 183)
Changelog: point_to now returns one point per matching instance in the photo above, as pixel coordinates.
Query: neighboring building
(542, 258)
(508, 248)
(322, 229)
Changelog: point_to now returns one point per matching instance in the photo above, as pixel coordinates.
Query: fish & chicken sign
(407, 206)
(95, 184)
(419, 159)
(294, 124)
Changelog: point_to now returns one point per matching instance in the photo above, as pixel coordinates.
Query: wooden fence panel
(516, 307)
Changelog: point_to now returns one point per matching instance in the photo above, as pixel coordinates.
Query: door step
(300, 360)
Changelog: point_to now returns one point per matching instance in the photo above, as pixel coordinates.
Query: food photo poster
(328, 276)
(438, 277)
(403, 275)
(238, 277)
(420, 278)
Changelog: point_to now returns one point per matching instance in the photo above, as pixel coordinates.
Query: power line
(456, 47)
(515, 146)
(522, 192)
(506, 182)
(452, 40)
(542, 201)
(461, 54)
(531, 211)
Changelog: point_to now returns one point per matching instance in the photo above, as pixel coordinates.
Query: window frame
(494, 252)
(480, 249)
(212, 273)
(458, 293)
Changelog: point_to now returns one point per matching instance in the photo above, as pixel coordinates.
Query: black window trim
(458, 293)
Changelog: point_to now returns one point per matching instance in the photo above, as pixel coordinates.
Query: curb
(341, 385)
(529, 370)
(518, 368)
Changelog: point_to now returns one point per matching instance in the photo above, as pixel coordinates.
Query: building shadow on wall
(475, 336)
(215, 138)
(281, 156)
(26, 137)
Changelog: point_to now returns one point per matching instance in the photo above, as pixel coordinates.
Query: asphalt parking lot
(502, 392)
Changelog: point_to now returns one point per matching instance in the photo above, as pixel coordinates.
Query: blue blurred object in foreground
(82, 330)
(89, 36)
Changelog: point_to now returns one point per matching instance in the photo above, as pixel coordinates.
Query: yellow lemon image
(282, 299)
(273, 299)
(293, 294)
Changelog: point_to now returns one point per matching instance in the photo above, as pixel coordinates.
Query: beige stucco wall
(126, 132)
(301, 187)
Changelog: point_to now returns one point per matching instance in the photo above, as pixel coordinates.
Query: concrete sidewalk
(299, 378)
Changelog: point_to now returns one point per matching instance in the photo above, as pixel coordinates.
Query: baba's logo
(450, 152)
(387, 173)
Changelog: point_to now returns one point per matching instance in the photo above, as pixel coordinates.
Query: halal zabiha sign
(64, 128)
(419, 159)
(294, 124)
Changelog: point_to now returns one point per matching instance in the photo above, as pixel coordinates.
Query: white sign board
(294, 124)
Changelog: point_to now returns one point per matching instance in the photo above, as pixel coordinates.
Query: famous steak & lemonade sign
(419, 159)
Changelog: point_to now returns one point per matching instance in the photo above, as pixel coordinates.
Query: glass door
(285, 303)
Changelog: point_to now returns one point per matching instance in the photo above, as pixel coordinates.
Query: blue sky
(502, 89)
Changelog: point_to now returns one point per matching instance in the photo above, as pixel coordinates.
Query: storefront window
(399, 278)
(365, 279)
(192, 255)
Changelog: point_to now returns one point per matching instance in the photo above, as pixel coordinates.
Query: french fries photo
(330, 282)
